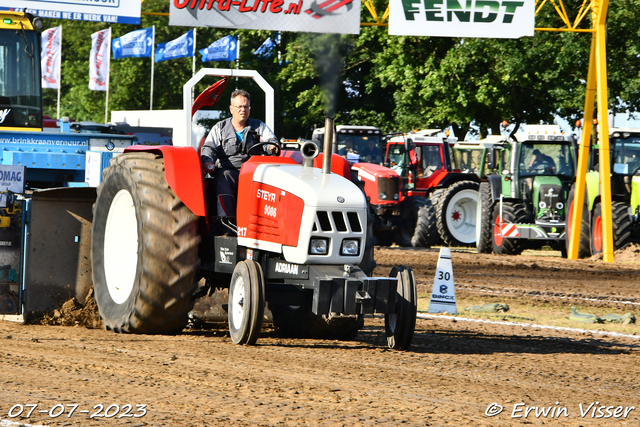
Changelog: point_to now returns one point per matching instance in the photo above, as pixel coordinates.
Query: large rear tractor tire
(435, 197)
(144, 249)
(514, 213)
(484, 213)
(584, 248)
(400, 326)
(246, 302)
(408, 221)
(426, 233)
(622, 227)
(456, 214)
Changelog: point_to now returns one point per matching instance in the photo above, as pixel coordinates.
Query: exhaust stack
(328, 145)
(309, 151)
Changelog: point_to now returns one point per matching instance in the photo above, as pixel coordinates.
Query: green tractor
(478, 157)
(624, 146)
(524, 204)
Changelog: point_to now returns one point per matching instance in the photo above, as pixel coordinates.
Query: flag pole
(237, 58)
(60, 73)
(193, 67)
(153, 61)
(106, 103)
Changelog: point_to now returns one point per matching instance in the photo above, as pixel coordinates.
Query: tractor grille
(340, 220)
(551, 195)
(388, 186)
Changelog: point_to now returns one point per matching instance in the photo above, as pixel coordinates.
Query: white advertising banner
(502, 19)
(50, 58)
(99, 60)
(113, 11)
(315, 16)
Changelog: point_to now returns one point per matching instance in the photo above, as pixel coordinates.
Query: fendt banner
(501, 19)
(113, 11)
(313, 16)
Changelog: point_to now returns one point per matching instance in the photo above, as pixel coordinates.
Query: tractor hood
(549, 199)
(370, 171)
(312, 186)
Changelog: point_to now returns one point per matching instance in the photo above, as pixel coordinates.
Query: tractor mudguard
(183, 173)
(452, 177)
(495, 182)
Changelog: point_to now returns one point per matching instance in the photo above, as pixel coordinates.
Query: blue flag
(137, 43)
(225, 49)
(267, 48)
(181, 47)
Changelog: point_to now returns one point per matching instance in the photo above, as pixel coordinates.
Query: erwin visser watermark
(595, 410)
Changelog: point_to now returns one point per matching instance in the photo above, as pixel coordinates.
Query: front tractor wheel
(406, 229)
(484, 211)
(400, 326)
(621, 224)
(584, 248)
(143, 248)
(513, 213)
(456, 214)
(246, 302)
(426, 234)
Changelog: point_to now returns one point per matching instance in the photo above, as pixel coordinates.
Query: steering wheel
(262, 144)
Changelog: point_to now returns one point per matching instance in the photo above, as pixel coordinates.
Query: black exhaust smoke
(329, 63)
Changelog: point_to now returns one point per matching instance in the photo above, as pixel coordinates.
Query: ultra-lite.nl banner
(504, 19)
(315, 16)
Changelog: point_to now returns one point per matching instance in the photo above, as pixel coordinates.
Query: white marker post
(443, 296)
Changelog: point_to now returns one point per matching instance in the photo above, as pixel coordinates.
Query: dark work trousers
(225, 186)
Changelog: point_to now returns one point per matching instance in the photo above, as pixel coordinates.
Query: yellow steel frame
(596, 84)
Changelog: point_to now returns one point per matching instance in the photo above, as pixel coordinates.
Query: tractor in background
(479, 158)
(429, 171)
(624, 145)
(529, 194)
(297, 246)
(395, 214)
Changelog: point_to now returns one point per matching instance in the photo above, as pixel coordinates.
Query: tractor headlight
(350, 247)
(318, 247)
(396, 196)
(559, 205)
(383, 196)
(542, 205)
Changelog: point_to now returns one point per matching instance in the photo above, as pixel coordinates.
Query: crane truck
(43, 225)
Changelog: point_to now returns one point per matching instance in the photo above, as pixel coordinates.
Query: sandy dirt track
(454, 374)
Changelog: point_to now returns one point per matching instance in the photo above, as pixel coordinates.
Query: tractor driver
(371, 152)
(227, 147)
(540, 161)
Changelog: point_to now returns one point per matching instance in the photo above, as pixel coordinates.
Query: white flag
(99, 60)
(50, 57)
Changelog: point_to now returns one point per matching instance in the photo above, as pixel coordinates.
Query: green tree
(396, 83)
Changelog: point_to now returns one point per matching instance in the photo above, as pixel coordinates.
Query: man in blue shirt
(228, 145)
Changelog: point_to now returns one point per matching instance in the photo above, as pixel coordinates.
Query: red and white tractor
(299, 244)
(429, 170)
